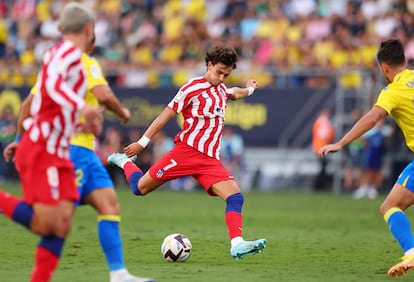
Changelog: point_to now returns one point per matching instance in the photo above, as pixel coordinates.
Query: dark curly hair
(220, 53)
(391, 52)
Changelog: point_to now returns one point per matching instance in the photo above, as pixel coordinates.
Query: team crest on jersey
(160, 173)
(222, 92)
(95, 71)
(410, 84)
(178, 96)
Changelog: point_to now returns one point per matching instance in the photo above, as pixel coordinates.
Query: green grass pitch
(311, 237)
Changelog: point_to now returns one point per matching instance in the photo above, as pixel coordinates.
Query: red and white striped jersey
(61, 87)
(202, 106)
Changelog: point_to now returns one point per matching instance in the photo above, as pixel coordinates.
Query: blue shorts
(90, 173)
(372, 161)
(406, 178)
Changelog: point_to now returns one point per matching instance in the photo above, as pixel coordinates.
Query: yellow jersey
(397, 99)
(95, 77)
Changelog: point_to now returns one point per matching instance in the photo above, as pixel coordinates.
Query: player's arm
(240, 93)
(24, 113)
(156, 126)
(106, 97)
(364, 124)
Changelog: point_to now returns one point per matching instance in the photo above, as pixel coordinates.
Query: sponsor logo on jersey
(410, 84)
(178, 96)
(95, 71)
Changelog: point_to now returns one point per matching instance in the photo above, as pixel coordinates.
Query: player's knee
(64, 227)
(43, 226)
(235, 202)
(142, 190)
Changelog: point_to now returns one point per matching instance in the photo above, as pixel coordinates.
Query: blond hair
(74, 17)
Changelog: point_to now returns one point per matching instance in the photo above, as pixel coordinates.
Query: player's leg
(105, 202)
(97, 189)
(140, 183)
(50, 247)
(393, 207)
(229, 191)
(16, 209)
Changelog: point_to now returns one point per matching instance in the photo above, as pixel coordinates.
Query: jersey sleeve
(33, 90)
(386, 100)
(228, 91)
(180, 100)
(94, 72)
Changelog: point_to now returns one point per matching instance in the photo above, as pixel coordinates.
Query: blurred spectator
(323, 133)
(353, 156)
(166, 35)
(7, 135)
(231, 155)
(373, 156)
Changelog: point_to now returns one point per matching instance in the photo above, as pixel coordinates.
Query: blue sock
(133, 182)
(52, 243)
(400, 228)
(110, 240)
(235, 203)
(23, 214)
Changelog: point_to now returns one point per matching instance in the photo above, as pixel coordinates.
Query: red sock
(45, 265)
(234, 224)
(130, 168)
(8, 203)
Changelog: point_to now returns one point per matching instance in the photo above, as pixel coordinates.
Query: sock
(16, 209)
(47, 258)
(236, 240)
(400, 228)
(133, 174)
(118, 275)
(110, 240)
(233, 215)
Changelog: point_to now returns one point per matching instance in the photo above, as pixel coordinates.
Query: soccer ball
(176, 247)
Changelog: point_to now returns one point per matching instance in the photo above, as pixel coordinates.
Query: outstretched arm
(156, 126)
(364, 124)
(106, 97)
(240, 93)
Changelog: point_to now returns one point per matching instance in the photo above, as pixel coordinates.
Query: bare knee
(104, 201)
(384, 208)
(41, 225)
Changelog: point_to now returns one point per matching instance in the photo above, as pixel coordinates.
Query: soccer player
(92, 179)
(42, 159)
(202, 102)
(396, 99)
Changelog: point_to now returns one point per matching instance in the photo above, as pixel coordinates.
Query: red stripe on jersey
(69, 51)
(81, 80)
(192, 83)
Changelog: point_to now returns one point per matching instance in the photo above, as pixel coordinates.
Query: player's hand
(9, 151)
(330, 148)
(126, 116)
(132, 149)
(252, 83)
(93, 120)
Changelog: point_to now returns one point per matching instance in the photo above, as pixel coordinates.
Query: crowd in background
(155, 43)
(152, 43)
